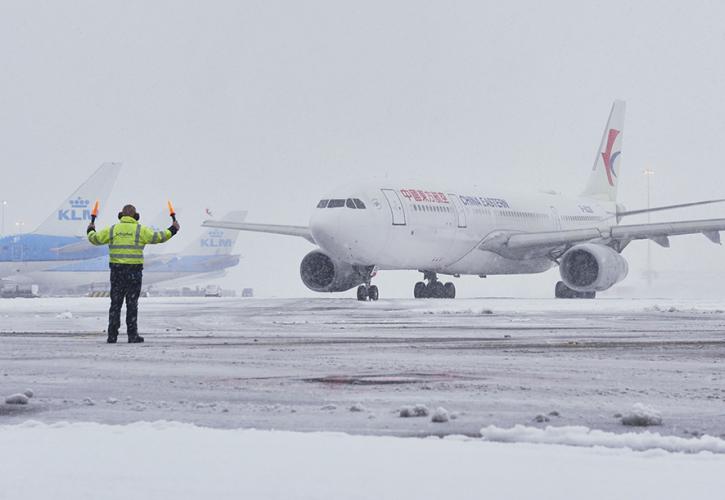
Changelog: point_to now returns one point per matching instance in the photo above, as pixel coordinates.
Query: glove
(91, 228)
(174, 228)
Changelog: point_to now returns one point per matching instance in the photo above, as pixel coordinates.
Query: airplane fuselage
(71, 275)
(20, 254)
(410, 226)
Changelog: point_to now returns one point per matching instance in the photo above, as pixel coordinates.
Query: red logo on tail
(609, 158)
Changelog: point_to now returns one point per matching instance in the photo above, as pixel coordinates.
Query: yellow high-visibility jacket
(127, 239)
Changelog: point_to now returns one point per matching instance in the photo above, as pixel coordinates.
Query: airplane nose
(328, 229)
(337, 232)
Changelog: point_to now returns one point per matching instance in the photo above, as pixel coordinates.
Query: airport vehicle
(365, 227)
(61, 238)
(16, 290)
(208, 255)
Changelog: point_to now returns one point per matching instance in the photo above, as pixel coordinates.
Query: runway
(303, 364)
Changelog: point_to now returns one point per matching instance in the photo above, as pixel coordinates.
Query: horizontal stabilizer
(667, 207)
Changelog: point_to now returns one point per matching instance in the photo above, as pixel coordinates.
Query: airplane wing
(555, 243)
(300, 231)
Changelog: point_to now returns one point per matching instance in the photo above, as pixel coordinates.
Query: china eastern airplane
(61, 238)
(362, 228)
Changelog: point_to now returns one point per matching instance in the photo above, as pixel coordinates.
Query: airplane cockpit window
(358, 203)
(336, 204)
(322, 204)
(349, 203)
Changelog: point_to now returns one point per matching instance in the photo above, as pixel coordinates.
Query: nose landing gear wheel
(373, 292)
(419, 291)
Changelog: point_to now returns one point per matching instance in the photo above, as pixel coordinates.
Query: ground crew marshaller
(126, 241)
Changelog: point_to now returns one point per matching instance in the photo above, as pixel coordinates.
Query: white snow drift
(583, 436)
(181, 461)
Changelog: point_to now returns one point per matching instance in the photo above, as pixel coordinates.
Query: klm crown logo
(79, 203)
(78, 210)
(216, 233)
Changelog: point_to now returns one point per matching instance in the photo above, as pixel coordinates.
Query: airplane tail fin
(213, 241)
(74, 214)
(160, 221)
(603, 180)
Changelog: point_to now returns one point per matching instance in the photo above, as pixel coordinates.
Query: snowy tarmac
(338, 365)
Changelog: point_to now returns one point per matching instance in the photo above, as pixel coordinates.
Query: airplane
(208, 255)
(362, 228)
(61, 238)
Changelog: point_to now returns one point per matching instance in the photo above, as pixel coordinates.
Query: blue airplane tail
(74, 213)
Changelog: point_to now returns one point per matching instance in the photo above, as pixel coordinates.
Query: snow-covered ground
(542, 388)
(303, 364)
(182, 461)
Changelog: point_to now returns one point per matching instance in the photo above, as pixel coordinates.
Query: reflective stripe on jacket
(127, 239)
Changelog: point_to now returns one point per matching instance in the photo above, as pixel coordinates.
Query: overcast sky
(266, 105)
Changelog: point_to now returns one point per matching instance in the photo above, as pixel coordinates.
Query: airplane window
(322, 204)
(358, 203)
(349, 203)
(336, 204)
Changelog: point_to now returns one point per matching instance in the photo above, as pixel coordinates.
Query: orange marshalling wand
(172, 212)
(94, 212)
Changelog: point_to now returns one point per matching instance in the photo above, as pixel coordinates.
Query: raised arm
(151, 237)
(101, 237)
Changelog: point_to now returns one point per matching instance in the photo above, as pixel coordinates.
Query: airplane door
(396, 207)
(555, 219)
(460, 211)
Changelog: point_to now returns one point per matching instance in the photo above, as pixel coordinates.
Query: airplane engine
(592, 268)
(322, 273)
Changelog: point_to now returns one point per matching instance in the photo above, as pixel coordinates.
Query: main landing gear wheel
(561, 291)
(434, 289)
(367, 293)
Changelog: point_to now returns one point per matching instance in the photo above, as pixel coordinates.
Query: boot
(135, 339)
(112, 339)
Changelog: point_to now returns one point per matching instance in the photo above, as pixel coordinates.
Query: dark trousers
(125, 286)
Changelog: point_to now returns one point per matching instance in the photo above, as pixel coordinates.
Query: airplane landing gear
(367, 292)
(434, 289)
(561, 291)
